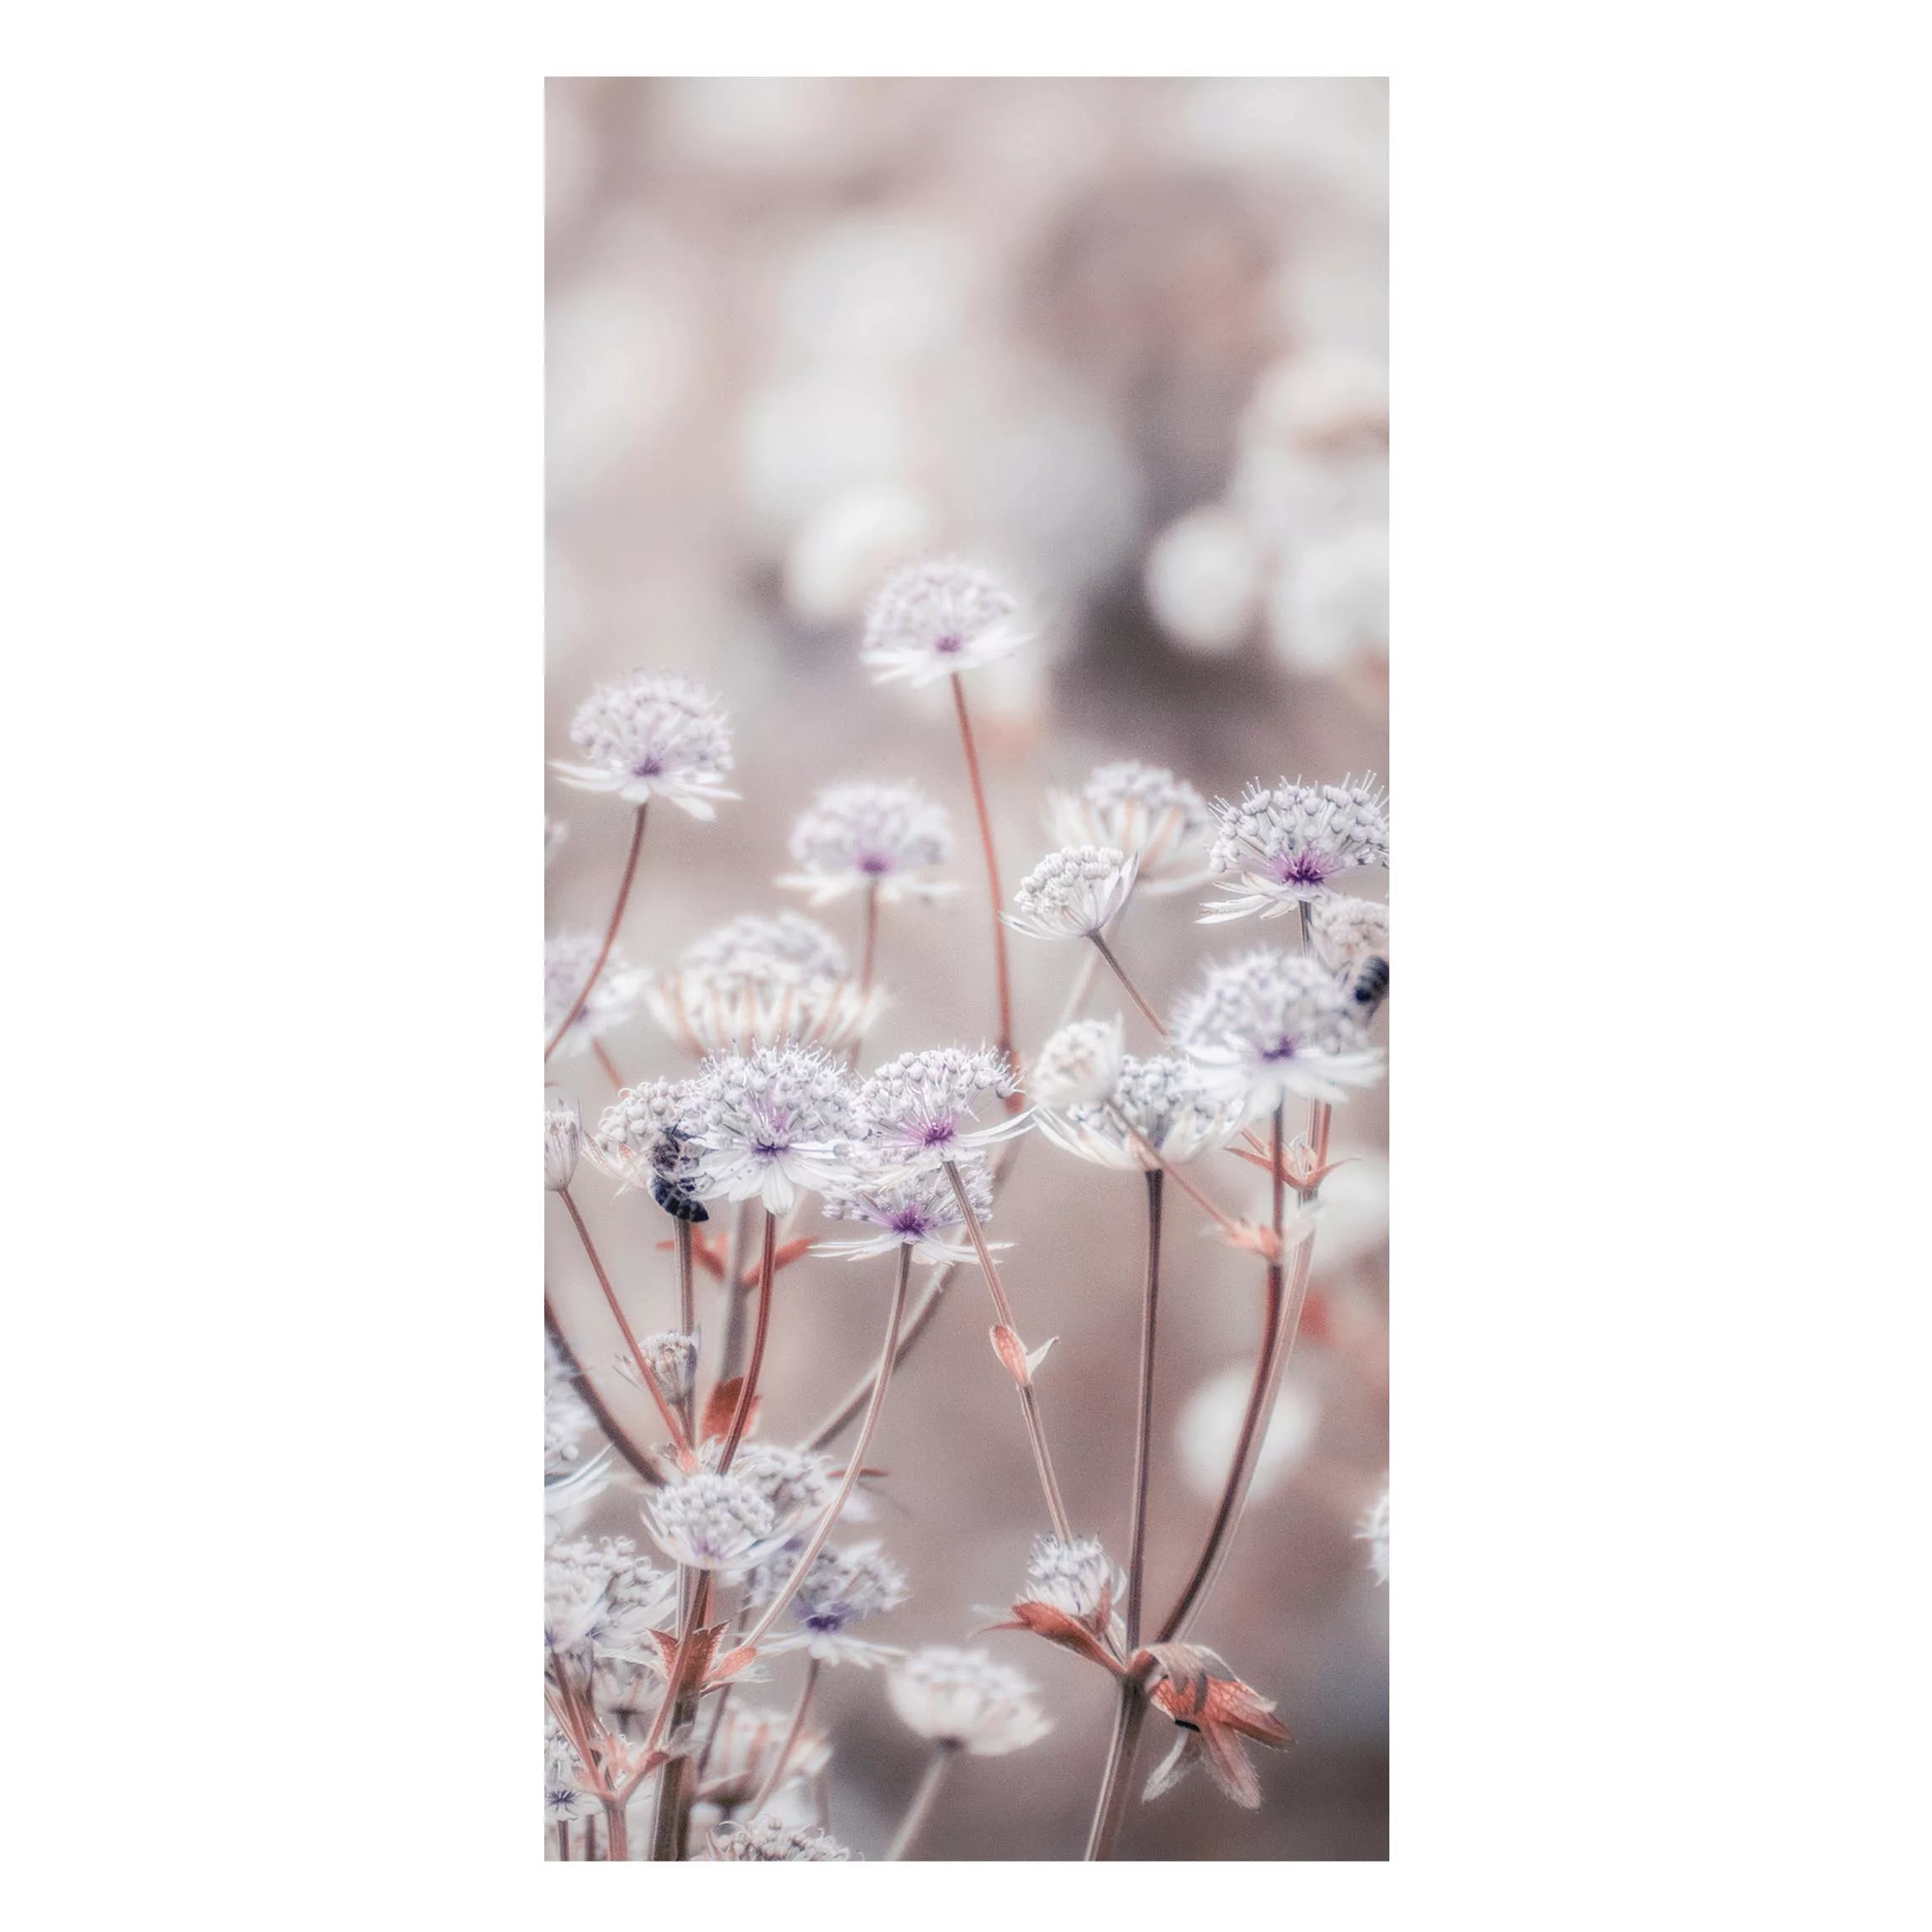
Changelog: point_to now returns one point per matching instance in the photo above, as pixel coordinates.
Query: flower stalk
(993, 889)
(609, 931)
(916, 1812)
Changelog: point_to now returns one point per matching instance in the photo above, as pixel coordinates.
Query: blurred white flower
(1210, 1428)
(1072, 894)
(1373, 1531)
(1078, 1065)
(568, 960)
(758, 982)
(965, 1699)
(848, 543)
(563, 1141)
(1347, 931)
(1204, 578)
(1163, 1100)
(931, 620)
(864, 837)
(1331, 604)
(1159, 821)
(652, 734)
(768, 1839)
(1326, 401)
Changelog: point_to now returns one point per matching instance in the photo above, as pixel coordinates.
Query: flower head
(1072, 894)
(1373, 1531)
(766, 1837)
(931, 620)
(792, 1481)
(1283, 844)
(921, 1108)
(966, 1700)
(916, 1209)
(1159, 821)
(641, 1141)
(1346, 931)
(568, 961)
(1268, 1024)
(672, 1359)
(1078, 1065)
(1076, 1577)
(563, 1141)
(602, 1593)
(714, 1522)
(1163, 1101)
(768, 1123)
(652, 734)
(842, 1589)
(862, 836)
(758, 982)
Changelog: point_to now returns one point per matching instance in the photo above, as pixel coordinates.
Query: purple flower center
(1302, 868)
(910, 1221)
(649, 769)
(876, 864)
(948, 646)
(1283, 1049)
(936, 1134)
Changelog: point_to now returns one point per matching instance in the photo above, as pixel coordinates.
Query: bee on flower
(652, 734)
(931, 620)
(867, 837)
(1282, 845)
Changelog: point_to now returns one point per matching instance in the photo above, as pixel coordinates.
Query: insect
(1372, 982)
(669, 1167)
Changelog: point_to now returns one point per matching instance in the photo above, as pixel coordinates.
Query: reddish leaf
(1012, 1352)
(721, 1406)
(1056, 1627)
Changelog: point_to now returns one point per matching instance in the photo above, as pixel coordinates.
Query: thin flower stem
(673, 1801)
(871, 938)
(1082, 989)
(1221, 1219)
(1029, 1402)
(854, 1462)
(992, 867)
(678, 1439)
(775, 1776)
(604, 1061)
(747, 1392)
(1130, 1714)
(590, 1840)
(943, 1754)
(1278, 1344)
(736, 1242)
(934, 1292)
(1153, 1018)
(687, 1318)
(1143, 1434)
(609, 931)
(642, 1460)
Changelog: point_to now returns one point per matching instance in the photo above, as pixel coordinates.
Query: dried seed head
(672, 1359)
(930, 620)
(1073, 894)
(652, 734)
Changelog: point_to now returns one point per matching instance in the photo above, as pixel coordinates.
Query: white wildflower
(768, 1837)
(792, 1481)
(917, 1209)
(1346, 931)
(966, 1700)
(602, 1593)
(843, 1588)
(922, 1108)
(862, 837)
(566, 1415)
(758, 982)
(1373, 1531)
(1208, 1430)
(771, 1123)
(1163, 1100)
(714, 1522)
(1072, 894)
(789, 949)
(1076, 1577)
(1078, 1065)
(930, 620)
(672, 1358)
(1159, 821)
(568, 961)
(563, 1141)
(652, 734)
(1269, 1024)
(1283, 844)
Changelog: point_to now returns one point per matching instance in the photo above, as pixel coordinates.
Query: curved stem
(640, 1459)
(1143, 1433)
(650, 1381)
(1154, 1019)
(854, 1462)
(1029, 1402)
(747, 1393)
(992, 867)
(610, 931)
(916, 1813)
(775, 1776)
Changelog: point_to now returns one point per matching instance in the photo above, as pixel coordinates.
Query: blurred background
(1125, 342)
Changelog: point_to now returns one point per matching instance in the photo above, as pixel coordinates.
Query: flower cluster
(1281, 845)
(1071, 895)
(759, 981)
(917, 1210)
(843, 1588)
(768, 1123)
(923, 1108)
(864, 837)
(1159, 821)
(931, 620)
(1163, 1102)
(965, 1699)
(768, 1837)
(653, 735)
(709, 1521)
(1078, 1065)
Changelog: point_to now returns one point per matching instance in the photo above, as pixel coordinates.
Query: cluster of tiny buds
(931, 620)
(1161, 1101)
(1074, 1577)
(563, 1141)
(767, 1838)
(652, 734)
(714, 1522)
(1281, 845)
(1143, 810)
(923, 1106)
(1078, 1065)
(867, 837)
(847, 1587)
(1346, 932)
(1073, 894)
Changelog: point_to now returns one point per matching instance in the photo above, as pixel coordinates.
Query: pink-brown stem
(642, 1460)
(943, 1753)
(775, 1776)
(609, 931)
(871, 938)
(1133, 992)
(747, 1391)
(992, 867)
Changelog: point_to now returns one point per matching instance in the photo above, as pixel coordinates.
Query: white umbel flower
(965, 1699)
(862, 837)
(602, 1593)
(1072, 894)
(652, 734)
(1208, 1430)
(842, 1589)
(1346, 931)
(922, 1108)
(1076, 1577)
(758, 982)
(568, 960)
(1078, 1065)
(1159, 821)
(1283, 844)
(563, 1141)
(792, 1481)
(918, 1209)
(769, 1123)
(1269, 1024)
(1163, 1100)
(768, 1839)
(930, 620)
(714, 1522)
(1373, 1531)
(789, 949)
